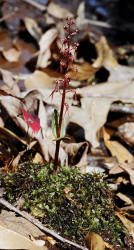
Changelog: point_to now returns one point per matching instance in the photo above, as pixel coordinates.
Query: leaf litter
(27, 80)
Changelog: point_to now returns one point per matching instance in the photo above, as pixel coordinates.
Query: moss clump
(69, 202)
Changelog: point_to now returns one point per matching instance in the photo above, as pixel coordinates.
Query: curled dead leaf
(33, 28)
(12, 55)
(94, 241)
(44, 43)
(57, 11)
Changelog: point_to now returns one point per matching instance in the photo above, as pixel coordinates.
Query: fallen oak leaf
(129, 169)
(9, 239)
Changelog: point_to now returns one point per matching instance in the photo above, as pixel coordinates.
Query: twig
(97, 23)
(39, 225)
(35, 4)
(6, 16)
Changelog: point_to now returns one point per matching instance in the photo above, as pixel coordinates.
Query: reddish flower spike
(32, 121)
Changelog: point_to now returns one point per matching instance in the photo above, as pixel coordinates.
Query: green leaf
(55, 123)
(61, 138)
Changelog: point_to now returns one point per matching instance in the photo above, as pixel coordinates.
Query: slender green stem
(59, 128)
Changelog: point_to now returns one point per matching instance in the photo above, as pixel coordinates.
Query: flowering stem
(65, 66)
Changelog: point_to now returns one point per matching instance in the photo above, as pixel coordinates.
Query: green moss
(68, 202)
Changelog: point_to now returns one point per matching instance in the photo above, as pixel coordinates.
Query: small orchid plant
(62, 86)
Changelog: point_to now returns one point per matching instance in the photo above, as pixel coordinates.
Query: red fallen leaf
(32, 120)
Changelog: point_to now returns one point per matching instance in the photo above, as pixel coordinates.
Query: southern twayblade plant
(62, 86)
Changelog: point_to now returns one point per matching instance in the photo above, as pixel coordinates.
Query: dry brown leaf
(9, 239)
(38, 158)
(125, 198)
(129, 168)
(116, 148)
(121, 74)
(72, 149)
(105, 54)
(118, 73)
(51, 240)
(10, 81)
(85, 71)
(126, 131)
(38, 79)
(94, 241)
(55, 10)
(19, 224)
(127, 223)
(33, 28)
(44, 43)
(90, 116)
(12, 55)
(96, 101)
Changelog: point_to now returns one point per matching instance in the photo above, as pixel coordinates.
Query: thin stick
(6, 16)
(35, 4)
(39, 225)
(97, 23)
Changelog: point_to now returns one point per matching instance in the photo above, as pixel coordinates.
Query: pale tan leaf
(116, 148)
(127, 223)
(12, 55)
(85, 71)
(55, 10)
(10, 82)
(51, 240)
(96, 101)
(105, 54)
(19, 224)
(120, 74)
(11, 240)
(129, 168)
(72, 149)
(44, 43)
(94, 241)
(38, 158)
(125, 198)
(33, 28)
(90, 116)
(127, 132)
(38, 79)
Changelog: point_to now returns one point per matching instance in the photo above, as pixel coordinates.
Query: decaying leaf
(96, 101)
(57, 11)
(44, 43)
(127, 223)
(12, 55)
(85, 71)
(94, 241)
(116, 148)
(9, 239)
(38, 77)
(127, 132)
(72, 149)
(33, 28)
(105, 54)
(128, 167)
(125, 198)
(19, 224)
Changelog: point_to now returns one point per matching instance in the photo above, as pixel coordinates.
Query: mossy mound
(69, 202)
